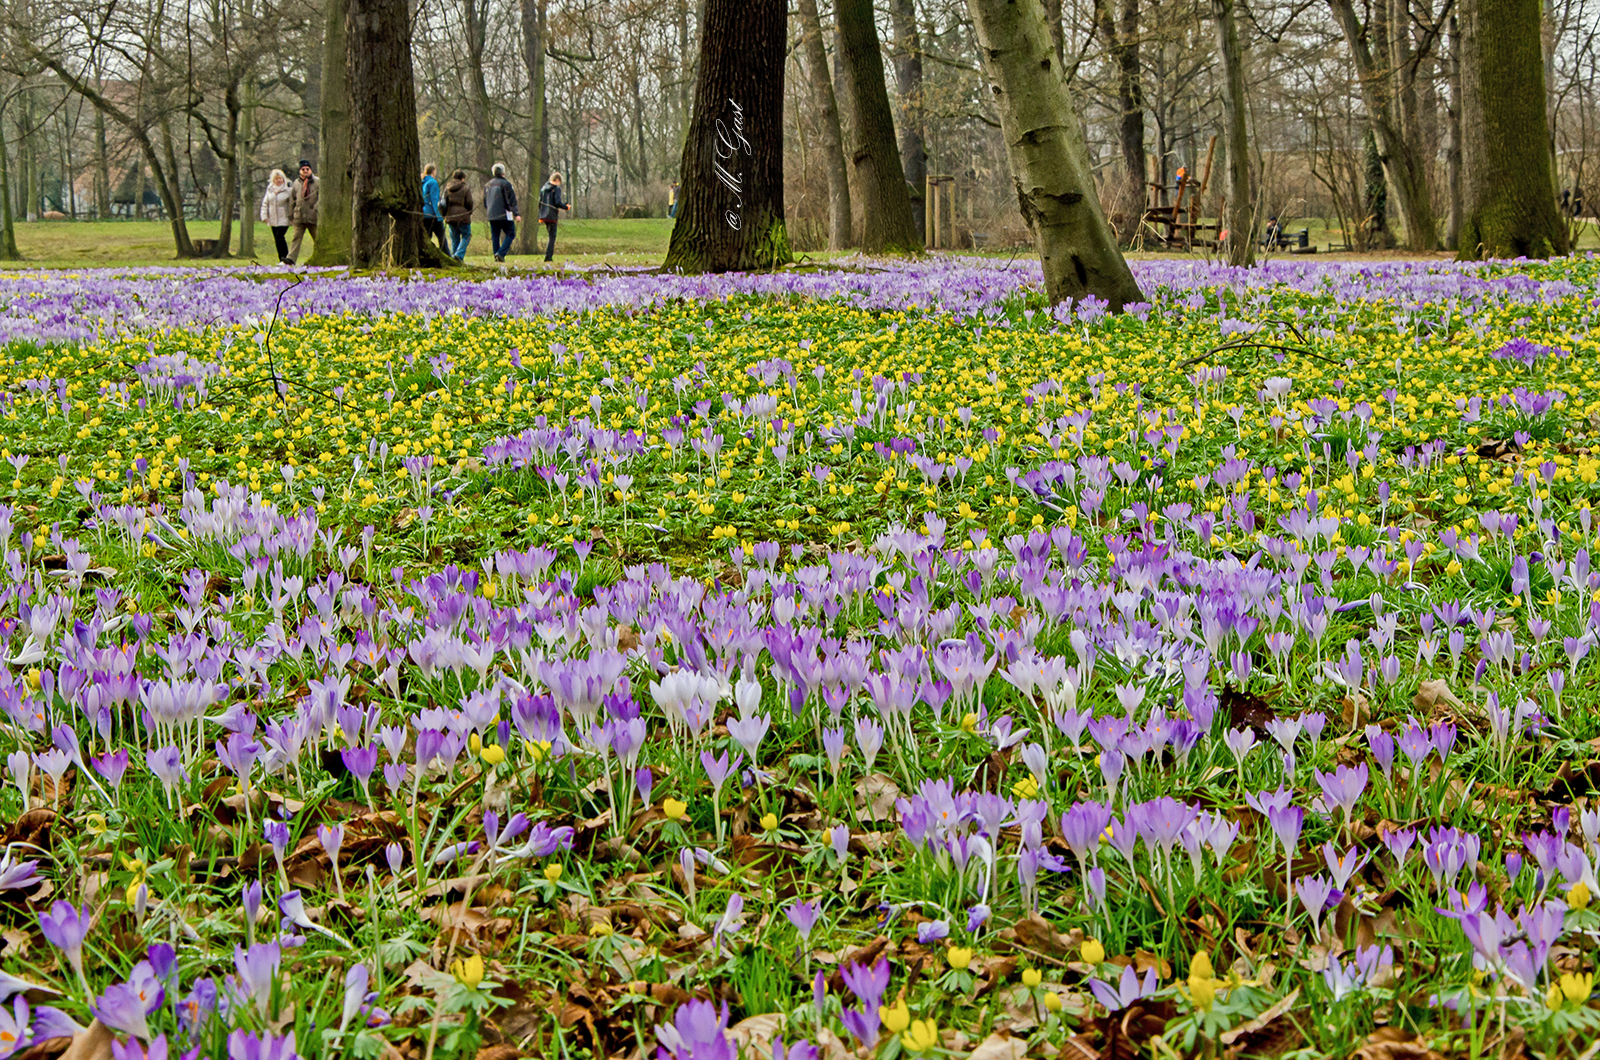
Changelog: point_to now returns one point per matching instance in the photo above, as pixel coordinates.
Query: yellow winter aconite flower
(1092, 952)
(922, 1036)
(674, 809)
(1578, 897)
(1052, 1002)
(468, 971)
(493, 754)
(1032, 977)
(896, 1017)
(959, 957)
(769, 821)
(552, 871)
(1576, 987)
(1026, 788)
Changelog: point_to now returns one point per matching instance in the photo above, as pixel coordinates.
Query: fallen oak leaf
(93, 1044)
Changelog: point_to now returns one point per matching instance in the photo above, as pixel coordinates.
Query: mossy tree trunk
(385, 157)
(1508, 180)
(827, 104)
(888, 223)
(1241, 218)
(335, 179)
(730, 212)
(1049, 164)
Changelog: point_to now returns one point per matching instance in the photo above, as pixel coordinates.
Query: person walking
(551, 204)
(432, 221)
(672, 199)
(275, 207)
(303, 213)
(458, 213)
(500, 205)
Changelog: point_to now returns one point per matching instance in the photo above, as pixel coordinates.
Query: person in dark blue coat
(500, 204)
(432, 220)
(551, 203)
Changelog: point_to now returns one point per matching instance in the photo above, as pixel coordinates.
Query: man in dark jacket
(500, 205)
(551, 203)
(303, 208)
(457, 208)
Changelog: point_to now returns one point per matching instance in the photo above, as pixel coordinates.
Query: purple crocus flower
(242, 1045)
(868, 984)
(14, 1027)
(65, 929)
(1343, 787)
(698, 1031)
(111, 767)
(355, 992)
(803, 915)
(932, 931)
(132, 1050)
(123, 1009)
(1129, 989)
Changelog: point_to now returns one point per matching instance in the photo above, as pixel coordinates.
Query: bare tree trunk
(475, 16)
(385, 158)
(820, 82)
(730, 204)
(1122, 40)
(102, 169)
(8, 228)
(311, 94)
(533, 38)
(1510, 188)
(229, 157)
(908, 78)
(336, 179)
(1052, 17)
(1375, 196)
(1453, 160)
(1406, 169)
(247, 138)
(1235, 120)
(879, 174)
(1049, 164)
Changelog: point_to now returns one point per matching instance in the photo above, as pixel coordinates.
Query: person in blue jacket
(432, 222)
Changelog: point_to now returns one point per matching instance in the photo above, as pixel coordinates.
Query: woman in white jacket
(275, 206)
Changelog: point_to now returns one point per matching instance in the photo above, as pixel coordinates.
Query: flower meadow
(867, 662)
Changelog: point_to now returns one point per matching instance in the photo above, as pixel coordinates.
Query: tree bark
(1508, 181)
(1122, 40)
(475, 16)
(335, 177)
(385, 157)
(820, 82)
(8, 228)
(730, 202)
(1406, 168)
(885, 203)
(908, 78)
(1375, 197)
(1235, 120)
(1452, 225)
(1052, 17)
(102, 169)
(533, 38)
(246, 171)
(1049, 164)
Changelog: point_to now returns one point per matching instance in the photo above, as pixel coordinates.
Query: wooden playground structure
(1176, 225)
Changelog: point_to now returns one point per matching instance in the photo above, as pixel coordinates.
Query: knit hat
(304, 164)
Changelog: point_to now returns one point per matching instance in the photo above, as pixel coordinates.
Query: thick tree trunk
(247, 183)
(8, 228)
(1509, 185)
(1407, 170)
(335, 177)
(385, 158)
(908, 78)
(475, 16)
(533, 37)
(1235, 120)
(230, 173)
(821, 85)
(885, 203)
(1122, 40)
(1375, 227)
(1049, 164)
(730, 202)
(313, 133)
(1052, 17)
(1453, 161)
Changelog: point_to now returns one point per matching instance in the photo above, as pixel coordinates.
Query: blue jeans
(460, 236)
(501, 233)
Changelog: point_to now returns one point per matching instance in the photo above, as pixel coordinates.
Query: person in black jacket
(500, 204)
(551, 203)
